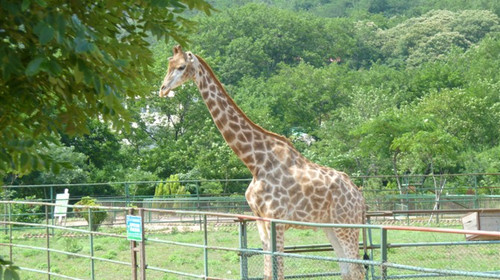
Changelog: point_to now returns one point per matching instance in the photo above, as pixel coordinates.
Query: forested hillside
(367, 87)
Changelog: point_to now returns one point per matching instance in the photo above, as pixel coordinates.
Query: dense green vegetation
(381, 86)
(65, 63)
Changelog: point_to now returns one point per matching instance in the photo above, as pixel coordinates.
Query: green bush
(97, 216)
(171, 187)
(26, 213)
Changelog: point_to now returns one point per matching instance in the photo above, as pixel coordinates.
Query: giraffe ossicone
(285, 184)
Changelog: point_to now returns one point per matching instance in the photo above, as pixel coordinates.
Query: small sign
(134, 228)
(62, 200)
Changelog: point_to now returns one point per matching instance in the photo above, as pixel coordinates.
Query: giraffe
(285, 184)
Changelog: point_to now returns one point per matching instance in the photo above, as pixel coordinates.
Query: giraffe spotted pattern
(285, 184)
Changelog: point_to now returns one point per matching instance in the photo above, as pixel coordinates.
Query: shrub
(97, 216)
(26, 213)
(171, 187)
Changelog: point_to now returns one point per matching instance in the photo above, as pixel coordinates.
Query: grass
(226, 264)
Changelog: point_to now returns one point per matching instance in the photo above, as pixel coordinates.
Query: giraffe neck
(249, 141)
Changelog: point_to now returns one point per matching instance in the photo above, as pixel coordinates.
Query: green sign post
(135, 234)
(134, 228)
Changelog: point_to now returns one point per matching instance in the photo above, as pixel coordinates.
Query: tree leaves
(69, 63)
(384, 93)
(430, 36)
(44, 31)
(34, 66)
(368, 108)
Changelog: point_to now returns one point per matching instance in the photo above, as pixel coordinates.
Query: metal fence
(385, 192)
(226, 246)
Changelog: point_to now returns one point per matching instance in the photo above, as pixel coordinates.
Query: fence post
(133, 252)
(9, 209)
(48, 239)
(370, 240)
(198, 203)
(383, 248)
(52, 208)
(198, 196)
(243, 255)
(476, 196)
(127, 196)
(142, 246)
(205, 244)
(274, 259)
(6, 211)
(91, 235)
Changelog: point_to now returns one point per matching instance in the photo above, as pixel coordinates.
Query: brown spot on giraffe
(229, 136)
(215, 113)
(211, 104)
(222, 121)
(204, 94)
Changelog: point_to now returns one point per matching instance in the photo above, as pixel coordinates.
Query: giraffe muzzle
(166, 92)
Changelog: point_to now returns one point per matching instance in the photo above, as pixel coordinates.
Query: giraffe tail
(365, 242)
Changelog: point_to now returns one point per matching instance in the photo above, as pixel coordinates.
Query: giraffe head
(180, 70)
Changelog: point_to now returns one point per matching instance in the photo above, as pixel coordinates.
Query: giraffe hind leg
(339, 251)
(346, 247)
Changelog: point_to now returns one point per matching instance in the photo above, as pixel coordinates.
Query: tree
(297, 99)
(433, 35)
(100, 144)
(63, 63)
(463, 114)
(427, 145)
(73, 170)
(376, 142)
(429, 150)
(253, 40)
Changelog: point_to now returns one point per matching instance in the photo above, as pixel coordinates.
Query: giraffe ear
(177, 49)
(190, 56)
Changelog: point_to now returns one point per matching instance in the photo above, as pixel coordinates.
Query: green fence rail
(208, 249)
(384, 192)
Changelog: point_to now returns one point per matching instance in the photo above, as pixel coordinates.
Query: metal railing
(382, 192)
(390, 257)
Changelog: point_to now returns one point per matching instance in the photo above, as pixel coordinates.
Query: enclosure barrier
(381, 192)
(211, 251)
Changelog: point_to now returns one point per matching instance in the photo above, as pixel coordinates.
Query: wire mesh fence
(227, 246)
(384, 192)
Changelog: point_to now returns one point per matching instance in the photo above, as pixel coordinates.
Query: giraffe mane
(230, 99)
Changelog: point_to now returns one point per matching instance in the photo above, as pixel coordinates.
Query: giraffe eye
(182, 67)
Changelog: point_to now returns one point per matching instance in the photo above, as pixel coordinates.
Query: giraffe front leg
(263, 228)
(265, 236)
(280, 247)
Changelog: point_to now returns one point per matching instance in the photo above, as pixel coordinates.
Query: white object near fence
(489, 221)
(61, 208)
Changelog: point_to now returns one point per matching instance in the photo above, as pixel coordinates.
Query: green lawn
(226, 264)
